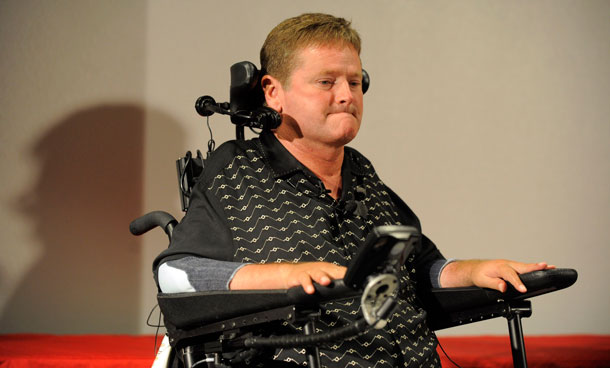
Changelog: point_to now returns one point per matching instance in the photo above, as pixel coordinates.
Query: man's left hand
(492, 274)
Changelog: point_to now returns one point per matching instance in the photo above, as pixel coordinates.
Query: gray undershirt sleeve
(190, 274)
(436, 270)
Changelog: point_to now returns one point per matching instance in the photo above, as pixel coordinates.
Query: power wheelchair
(231, 328)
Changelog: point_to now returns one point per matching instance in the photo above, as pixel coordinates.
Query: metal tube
(313, 352)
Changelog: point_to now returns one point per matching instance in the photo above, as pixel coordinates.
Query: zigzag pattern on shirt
(385, 340)
(375, 355)
(269, 212)
(305, 256)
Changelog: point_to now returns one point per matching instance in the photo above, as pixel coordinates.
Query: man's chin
(348, 135)
(349, 123)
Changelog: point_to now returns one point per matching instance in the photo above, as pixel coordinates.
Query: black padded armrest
(537, 283)
(444, 303)
(186, 310)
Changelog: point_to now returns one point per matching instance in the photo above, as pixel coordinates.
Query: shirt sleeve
(190, 274)
(203, 232)
(429, 261)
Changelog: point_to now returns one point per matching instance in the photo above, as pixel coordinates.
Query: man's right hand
(286, 275)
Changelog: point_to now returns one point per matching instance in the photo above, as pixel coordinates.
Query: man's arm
(191, 274)
(286, 275)
(492, 274)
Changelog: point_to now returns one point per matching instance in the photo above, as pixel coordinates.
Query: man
(272, 212)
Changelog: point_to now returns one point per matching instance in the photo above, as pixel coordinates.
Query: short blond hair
(311, 29)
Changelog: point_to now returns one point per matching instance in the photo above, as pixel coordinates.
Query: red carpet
(541, 351)
(86, 351)
(93, 351)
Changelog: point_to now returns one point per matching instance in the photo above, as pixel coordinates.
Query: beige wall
(489, 118)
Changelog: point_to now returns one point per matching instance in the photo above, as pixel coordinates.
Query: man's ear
(272, 89)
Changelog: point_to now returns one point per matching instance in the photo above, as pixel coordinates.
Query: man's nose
(344, 93)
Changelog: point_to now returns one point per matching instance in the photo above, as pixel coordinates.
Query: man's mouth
(349, 110)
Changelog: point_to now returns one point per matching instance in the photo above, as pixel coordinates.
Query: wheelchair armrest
(448, 307)
(186, 310)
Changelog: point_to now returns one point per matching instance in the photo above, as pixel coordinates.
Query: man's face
(322, 102)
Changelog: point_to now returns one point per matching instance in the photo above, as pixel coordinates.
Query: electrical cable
(444, 352)
(211, 142)
(351, 330)
(158, 325)
(183, 175)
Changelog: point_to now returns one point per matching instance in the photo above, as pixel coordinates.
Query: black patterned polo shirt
(256, 203)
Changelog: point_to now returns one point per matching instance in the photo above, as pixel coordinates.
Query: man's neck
(324, 161)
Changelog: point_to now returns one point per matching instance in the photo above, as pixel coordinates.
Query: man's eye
(326, 82)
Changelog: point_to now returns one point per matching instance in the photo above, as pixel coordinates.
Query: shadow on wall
(89, 189)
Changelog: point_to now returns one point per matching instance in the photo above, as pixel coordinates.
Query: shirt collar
(277, 157)
(283, 163)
